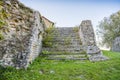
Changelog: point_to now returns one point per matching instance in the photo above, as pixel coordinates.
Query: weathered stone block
(87, 36)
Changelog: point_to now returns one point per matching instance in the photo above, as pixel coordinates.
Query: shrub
(48, 37)
(76, 29)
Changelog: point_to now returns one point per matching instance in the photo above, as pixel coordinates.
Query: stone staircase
(66, 57)
(66, 44)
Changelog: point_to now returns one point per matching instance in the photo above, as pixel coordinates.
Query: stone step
(67, 57)
(68, 51)
(78, 46)
(63, 39)
(68, 44)
(62, 52)
(70, 41)
(64, 36)
(65, 33)
(64, 29)
(64, 49)
(71, 34)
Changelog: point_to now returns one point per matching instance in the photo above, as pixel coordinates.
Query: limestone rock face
(22, 35)
(116, 45)
(88, 39)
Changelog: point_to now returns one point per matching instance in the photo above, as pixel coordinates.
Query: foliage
(1, 36)
(109, 29)
(45, 52)
(49, 30)
(48, 37)
(76, 29)
(67, 40)
(83, 52)
(42, 69)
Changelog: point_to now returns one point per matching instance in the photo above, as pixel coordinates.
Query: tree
(109, 29)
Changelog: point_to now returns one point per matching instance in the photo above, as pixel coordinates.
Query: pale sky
(68, 13)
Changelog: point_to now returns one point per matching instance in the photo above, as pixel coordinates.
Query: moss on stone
(83, 52)
(1, 36)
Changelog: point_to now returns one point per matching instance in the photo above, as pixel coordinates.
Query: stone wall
(116, 44)
(22, 35)
(87, 36)
(47, 22)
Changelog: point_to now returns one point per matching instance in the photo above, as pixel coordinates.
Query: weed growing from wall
(76, 29)
(48, 37)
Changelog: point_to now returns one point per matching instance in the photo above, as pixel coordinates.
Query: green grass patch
(42, 69)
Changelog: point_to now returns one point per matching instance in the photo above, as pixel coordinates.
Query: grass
(42, 69)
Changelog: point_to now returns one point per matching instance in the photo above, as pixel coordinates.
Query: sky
(69, 13)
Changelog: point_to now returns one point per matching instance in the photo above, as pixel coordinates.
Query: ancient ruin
(74, 43)
(88, 39)
(24, 38)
